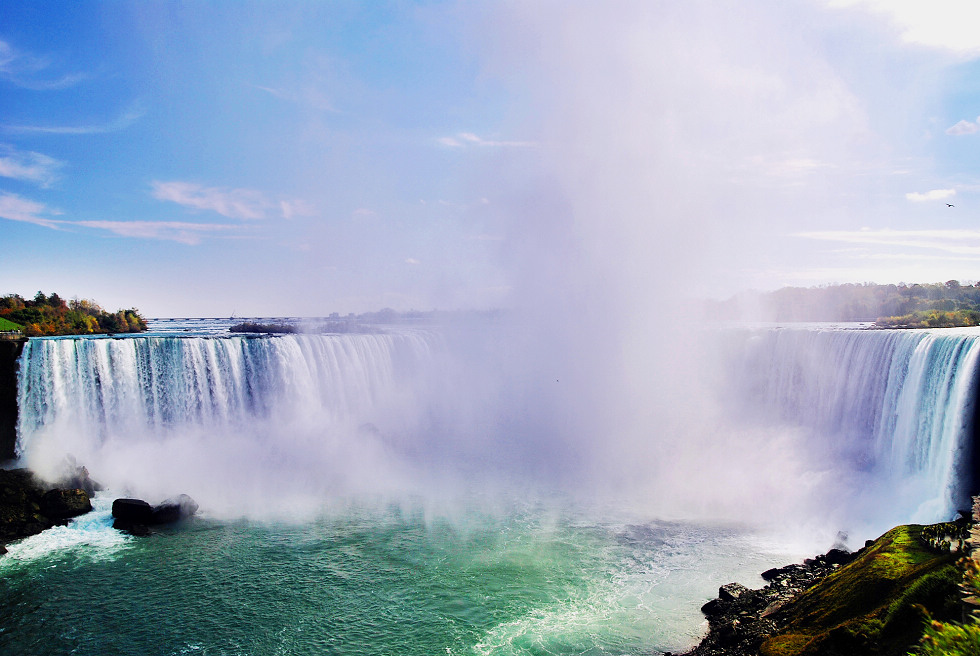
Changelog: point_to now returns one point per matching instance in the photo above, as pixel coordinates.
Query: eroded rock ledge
(28, 505)
(741, 619)
(869, 603)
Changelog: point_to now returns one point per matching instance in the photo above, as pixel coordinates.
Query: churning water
(367, 494)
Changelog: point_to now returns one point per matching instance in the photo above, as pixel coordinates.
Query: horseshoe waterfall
(425, 491)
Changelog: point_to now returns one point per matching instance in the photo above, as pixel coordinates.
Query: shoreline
(871, 602)
(741, 618)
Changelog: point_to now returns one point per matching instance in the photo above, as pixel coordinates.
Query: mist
(642, 156)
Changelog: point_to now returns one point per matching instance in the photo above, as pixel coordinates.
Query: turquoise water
(807, 430)
(370, 580)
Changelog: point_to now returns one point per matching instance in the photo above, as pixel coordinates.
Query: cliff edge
(10, 350)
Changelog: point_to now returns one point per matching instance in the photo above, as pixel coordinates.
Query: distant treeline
(904, 305)
(52, 315)
(252, 327)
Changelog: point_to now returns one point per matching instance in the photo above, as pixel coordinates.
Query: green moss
(785, 645)
(868, 606)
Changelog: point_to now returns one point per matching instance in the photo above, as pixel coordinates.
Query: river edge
(740, 619)
(871, 602)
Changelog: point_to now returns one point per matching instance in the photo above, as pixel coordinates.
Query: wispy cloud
(17, 208)
(293, 208)
(934, 194)
(26, 71)
(246, 204)
(963, 127)
(958, 242)
(242, 204)
(123, 121)
(29, 166)
(468, 139)
(179, 231)
(310, 96)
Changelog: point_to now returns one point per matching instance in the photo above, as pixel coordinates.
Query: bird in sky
(950, 205)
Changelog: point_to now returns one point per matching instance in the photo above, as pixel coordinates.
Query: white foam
(92, 531)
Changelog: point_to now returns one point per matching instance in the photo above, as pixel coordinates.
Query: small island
(47, 316)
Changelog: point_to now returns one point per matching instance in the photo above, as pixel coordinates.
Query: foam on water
(91, 533)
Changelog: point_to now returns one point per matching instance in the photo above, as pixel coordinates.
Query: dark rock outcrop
(10, 350)
(76, 477)
(173, 510)
(60, 504)
(136, 516)
(741, 619)
(29, 506)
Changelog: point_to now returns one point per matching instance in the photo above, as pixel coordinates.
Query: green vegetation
(9, 326)
(873, 605)
(954, 638)
(904, 305)
(932, 319)
(51, 315)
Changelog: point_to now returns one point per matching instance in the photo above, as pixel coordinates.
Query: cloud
(21, 69)
(135, 112)
(941, 24)
(935, 194)
(963, 127)
(464, 139)
(29, 166)
(183, 232)
(958, 242)
(309, 96)
(292, 208)
(246, 204)
(16, 208)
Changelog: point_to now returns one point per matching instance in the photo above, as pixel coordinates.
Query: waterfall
(873, 417)
(896, 404)
(138, 409)
(159, 384)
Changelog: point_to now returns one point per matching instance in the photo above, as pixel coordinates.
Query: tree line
(904, 305)
(51, 315)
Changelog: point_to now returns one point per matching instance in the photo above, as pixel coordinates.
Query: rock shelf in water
(29, 506)
(136, 516)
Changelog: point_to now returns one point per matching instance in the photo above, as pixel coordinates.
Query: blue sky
(200, 159)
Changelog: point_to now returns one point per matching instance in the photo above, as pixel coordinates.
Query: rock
(838, 557)
(741, 619)
(132, 510)
(713, 607)
(60, 504)
(20, 511)
(78, 478)
(28, 505)
(731, 591)
(136, 516)
(173, 510)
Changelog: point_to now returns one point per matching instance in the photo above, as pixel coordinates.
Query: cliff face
(10, 350)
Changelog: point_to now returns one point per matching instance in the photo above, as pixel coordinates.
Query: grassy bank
(874, 605)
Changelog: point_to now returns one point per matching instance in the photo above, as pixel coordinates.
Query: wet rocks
(61, 504)
(135, 516)
(741, 619)
(29, 506)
